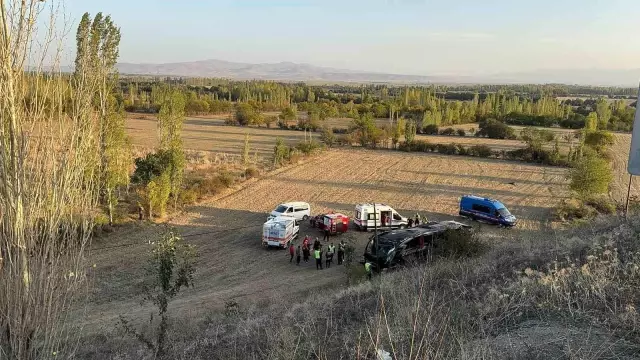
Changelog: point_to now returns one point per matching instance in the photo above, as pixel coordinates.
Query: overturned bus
(398, 247)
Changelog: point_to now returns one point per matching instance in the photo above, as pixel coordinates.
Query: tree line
(426, 105)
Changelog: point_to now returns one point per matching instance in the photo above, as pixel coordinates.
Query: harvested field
(226, 230)
(212, 135)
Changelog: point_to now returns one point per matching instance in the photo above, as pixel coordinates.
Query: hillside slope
(570, 294)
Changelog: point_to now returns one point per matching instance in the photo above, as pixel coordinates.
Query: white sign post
(633, 166)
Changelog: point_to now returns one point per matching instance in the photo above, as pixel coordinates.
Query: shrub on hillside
(574, 209)
(602, 204)
(598, 140)
(430, 129)
(591, 175)
(459, 244)
(308, 147)
(448, 132)
(461, 132)
(251, 173)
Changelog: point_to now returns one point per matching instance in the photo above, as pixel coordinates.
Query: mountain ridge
(290, 71)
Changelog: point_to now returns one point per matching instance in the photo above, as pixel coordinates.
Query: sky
(417, 37)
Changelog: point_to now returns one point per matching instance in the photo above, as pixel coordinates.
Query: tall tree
(604, 113)
(170, 120)
(591, 122)
(97, 44)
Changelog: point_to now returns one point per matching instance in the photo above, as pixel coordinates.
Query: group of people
(304, 251)
(386, 220)
(417, 221)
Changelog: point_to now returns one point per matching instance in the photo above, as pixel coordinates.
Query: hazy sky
(394, 36)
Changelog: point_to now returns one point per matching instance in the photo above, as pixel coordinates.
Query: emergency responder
(317, 254)
(367, 269)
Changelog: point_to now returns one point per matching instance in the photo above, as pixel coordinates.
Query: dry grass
(566, 295)
(620, 159)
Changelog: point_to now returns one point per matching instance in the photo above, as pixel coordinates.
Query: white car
(301, 211)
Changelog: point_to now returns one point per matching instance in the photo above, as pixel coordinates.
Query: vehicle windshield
(504, 212)
(281, 209)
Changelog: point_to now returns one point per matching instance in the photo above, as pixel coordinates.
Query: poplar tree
(97, 43)
(170, 120)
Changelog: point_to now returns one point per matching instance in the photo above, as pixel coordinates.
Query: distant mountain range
(288, 71)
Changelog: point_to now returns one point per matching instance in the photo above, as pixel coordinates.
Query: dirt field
(212, 135)
(226, 231)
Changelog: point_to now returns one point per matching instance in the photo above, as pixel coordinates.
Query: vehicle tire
(305, 218)
(402, 227)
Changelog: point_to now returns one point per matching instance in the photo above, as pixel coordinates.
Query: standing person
(292, 251)
(317, 254)
(410, 222)
(326, 235)
(330, 255)
(316, 244)
(367, 269)
(417, 220)
(305, 242)
(298, 255)
(340, 252)
(306, 253)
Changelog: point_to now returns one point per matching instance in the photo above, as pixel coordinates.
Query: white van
(301, 211)
(366, 219)
(279, 231)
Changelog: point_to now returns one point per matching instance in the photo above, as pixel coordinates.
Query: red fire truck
(336, 223)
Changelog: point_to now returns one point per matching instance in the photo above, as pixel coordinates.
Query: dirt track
(226, 231)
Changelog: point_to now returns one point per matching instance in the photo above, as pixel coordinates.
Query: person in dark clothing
(417, 220)
(298, 255)
(306, 253)
(410, 222)
(326, 235)
(340, 252)
(292, 251)
(316, 244)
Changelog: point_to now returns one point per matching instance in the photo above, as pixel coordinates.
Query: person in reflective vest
(330, 253)
(367, 269)
(317, 254)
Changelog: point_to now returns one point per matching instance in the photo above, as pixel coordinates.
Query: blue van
(489, 210)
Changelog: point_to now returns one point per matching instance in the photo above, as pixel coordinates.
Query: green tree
(289, 113)
(397, 131)
(604, 113)
(328, 137)
(170, 120)
(591, 122)
(117, 156)
(171, 268)
(97, 44)
(591, 175)
(410, 131)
